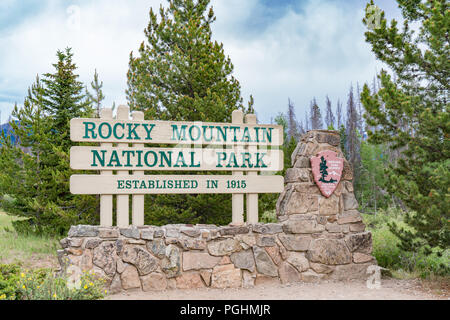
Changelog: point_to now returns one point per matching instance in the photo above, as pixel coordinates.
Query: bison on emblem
(327, 171)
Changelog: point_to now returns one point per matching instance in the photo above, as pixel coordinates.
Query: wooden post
(106, 200)
(123, 219)
(237, 200)
(252, 198)
(137, 213)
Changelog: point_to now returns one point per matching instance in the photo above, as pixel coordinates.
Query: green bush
(42, 284)
(387, 251)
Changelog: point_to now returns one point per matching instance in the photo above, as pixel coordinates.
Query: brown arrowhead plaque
(327, 171)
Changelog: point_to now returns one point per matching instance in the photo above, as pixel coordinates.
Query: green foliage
(410, 113)
(389, 253)
(36, 173)
(269, 216)
(42, 284)
(182, 74)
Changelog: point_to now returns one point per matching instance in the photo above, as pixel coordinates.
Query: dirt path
(391, 289)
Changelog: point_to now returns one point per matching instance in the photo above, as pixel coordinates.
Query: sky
(280, 49)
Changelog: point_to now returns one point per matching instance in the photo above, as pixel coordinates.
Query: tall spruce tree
(97, 96)
(415, 118)
(353, 141)
(339, 116)
(316, 116)
(180, 73)
(329, 115)
(293, 130)
(36, 173)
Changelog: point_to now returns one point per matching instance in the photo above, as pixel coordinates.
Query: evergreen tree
(36, 173)
(329, 116)
(182, 74)
(339, 116)
(352, 133)
(96, 97)
(307, 122)
(415, 118)
(316, 116)
(293, 131)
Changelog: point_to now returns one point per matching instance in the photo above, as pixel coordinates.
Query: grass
(402, 264)
(28, 250)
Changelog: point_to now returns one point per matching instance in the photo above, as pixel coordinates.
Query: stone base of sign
(316, 238)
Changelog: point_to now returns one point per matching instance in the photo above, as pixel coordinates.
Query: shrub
(9, 276)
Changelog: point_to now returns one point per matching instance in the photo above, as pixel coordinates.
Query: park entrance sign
(125, 149)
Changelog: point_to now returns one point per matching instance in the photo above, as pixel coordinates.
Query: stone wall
(316, 238)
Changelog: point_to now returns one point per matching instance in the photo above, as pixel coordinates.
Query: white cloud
(315, 52)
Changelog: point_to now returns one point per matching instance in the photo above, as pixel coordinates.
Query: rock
(74, 251)
(246, 241)
(262, 280)
(303, 225)
(120, 265)
(171, 264)
(206, 276)
(119, 246)
(347, 172)
(274, 253)
(64, 243)
(227, 231)
(321, 268)
(158, 233)
(83, 231)
(146, 263)
(130, 278)
(265, 241)
(131, 232)
(243, 260)
(362, 257)
(108, 233)
(298, 260)
(269, 228)
(334, 228)
(76, 242)
(360, 242)
(288, 274)
(349, 217)
(223, 247)
(86, 260)
(100, 275)
(357, 227)
(192, 244)
(105, 257)
(350, 202)
(92, 243)
(248, 279)
(226, 276)
(351, 272)
(311, 276)
(191, 232)
(297, 175)
(224, 260)
(264, 264)
(295, 242)
(135, 241)
(189, 281)
(171, 232)
(302, 162)
(116, 284)
(348, 186)
(328, 206)
(198, 260)
(329, 251)
(330, 138)
(147, 234)
(129, 254)
(157, 247)
(300, 203)
(154, 282)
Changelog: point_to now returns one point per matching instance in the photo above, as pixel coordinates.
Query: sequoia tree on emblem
(327, 171)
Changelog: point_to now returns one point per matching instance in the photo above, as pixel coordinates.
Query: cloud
(297, 49)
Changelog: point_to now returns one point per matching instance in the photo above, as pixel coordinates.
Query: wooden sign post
(240, 155)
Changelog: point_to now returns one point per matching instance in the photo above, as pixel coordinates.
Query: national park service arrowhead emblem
(327, 171)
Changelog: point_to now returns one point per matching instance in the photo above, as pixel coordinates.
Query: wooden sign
(175, 159)
(327, 171)
(174, 184)
(174, 132)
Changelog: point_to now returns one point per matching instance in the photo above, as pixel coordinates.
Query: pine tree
(329, 116)
(182, 74)
(97, 97)
(339, 118)
(293, 131)
(36, 173)
(415, 117)
(316, 116)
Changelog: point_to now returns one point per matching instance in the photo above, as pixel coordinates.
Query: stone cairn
(316, 238)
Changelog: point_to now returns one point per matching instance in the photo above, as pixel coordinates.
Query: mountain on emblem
(327, 171)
